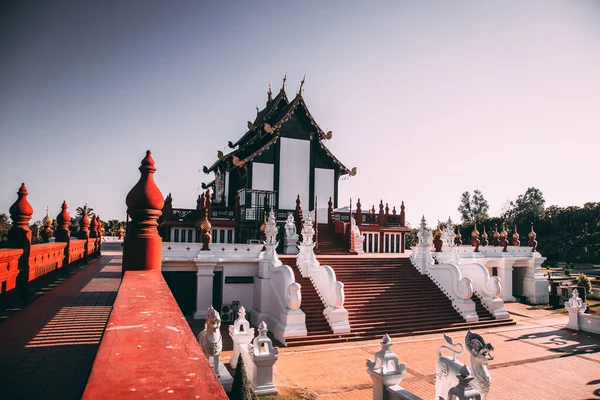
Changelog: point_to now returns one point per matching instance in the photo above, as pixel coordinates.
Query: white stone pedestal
(290, 244)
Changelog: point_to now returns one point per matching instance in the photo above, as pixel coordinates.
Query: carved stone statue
(290, 226)
(357, 238)
(575, 300)
(447, 368)
(291, 236)
(210, 338)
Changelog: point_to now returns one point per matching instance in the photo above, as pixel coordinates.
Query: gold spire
(503, 234)
(516, 234)
(484, 235)
(47, 220)
(532, 234)
(496, 234)
(205, 225)
(475, 232)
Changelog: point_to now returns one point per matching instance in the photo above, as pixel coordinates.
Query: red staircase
(384, 295)
(330, 242)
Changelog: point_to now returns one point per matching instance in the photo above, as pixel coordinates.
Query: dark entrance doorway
(183, 286)
(217, 297)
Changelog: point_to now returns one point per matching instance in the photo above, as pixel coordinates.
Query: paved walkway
(47, 349)
(537, 359)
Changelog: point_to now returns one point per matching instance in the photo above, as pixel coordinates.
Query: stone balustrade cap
(21, 207)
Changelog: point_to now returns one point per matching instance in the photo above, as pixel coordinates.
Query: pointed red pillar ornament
(19, 237)
(99, 236)
(94, 232)
(381, 213)
(394, 210)
(358, 213)
(299, 217)
(402, 215)
(484, 238)
(330, 215)
(63, 233)
(142, 247)
(515, 237)
(84, 232)
(532, 242)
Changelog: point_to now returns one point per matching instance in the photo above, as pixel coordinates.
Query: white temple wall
(242, 292)
(262, 176)
(294, 172)
(324, 184)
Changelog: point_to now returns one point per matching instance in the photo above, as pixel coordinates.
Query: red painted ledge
(148, 349)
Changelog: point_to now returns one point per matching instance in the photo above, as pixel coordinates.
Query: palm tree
(79, 211)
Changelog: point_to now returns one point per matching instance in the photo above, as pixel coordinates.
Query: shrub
(240, 388)
(584, 281)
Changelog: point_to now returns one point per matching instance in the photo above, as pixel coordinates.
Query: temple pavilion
(281, 161)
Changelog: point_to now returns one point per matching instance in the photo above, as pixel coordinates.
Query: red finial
(142, 246)
(358, 205)
(145, 194)
(21, 211)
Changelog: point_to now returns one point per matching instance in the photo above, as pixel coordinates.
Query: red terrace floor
(48, 348)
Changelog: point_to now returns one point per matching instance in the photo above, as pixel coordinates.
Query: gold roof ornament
(268, 128)
(496, 234)
(503, 234)
(328, 135)
(484, 235)
(205, 225)
(270, 92)
(251, 126)
(438, 232)
(516, 234)
(532, 234)
(352, 172)
(264, 224)
(220, 155)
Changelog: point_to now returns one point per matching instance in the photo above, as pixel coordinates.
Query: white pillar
(505, 268)
(535, 284)
(204, 289)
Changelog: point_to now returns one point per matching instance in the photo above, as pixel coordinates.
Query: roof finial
(257, 110)
(270, 92)
(284, 80)
(302, 84)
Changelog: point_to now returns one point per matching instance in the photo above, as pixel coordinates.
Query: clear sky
(427, 99)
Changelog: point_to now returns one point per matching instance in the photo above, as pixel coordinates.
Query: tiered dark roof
(264, 132)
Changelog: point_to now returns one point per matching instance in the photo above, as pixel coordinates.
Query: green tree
(111, 228)
(5, 225)
(473, 207)
(527, 208)
(240, 388)
(79, 212)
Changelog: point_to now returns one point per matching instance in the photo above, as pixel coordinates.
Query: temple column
(204, 288)
(505, 269)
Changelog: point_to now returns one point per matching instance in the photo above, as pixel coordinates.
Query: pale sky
(427, 99)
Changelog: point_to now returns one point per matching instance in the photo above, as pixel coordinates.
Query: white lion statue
(210, 338)
(447, 368)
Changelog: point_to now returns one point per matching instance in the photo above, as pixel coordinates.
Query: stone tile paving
(537, 359)
(47, 348)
